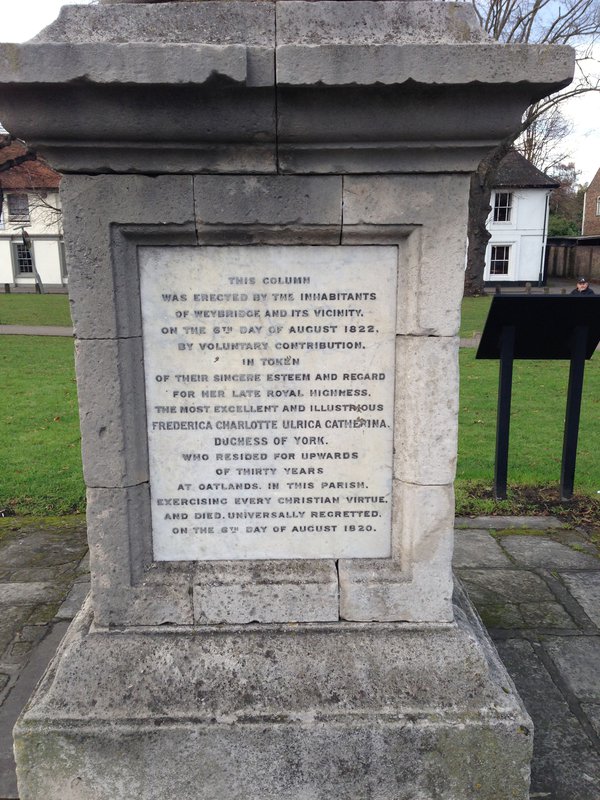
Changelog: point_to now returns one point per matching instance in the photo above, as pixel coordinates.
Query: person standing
(583, 288)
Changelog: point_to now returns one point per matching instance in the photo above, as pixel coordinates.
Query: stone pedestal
(340, 134)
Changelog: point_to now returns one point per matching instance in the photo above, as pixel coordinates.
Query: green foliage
(40, 458)
(35, 309)
(559, 226)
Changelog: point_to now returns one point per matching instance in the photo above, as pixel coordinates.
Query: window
(598, 206)
(500, 259)
(23, 259)
(502, 206)
(18, 208)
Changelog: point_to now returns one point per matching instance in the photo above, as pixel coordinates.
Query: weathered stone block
(415, 585)
(426, 417)
(379, 22)
(103, 275)
(253, 209)
(125, 588)
(432, 271)
(299, 711)
(110, 374)
(274, 592)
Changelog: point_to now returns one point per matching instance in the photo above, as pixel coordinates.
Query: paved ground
(535, 584)
(35, 330)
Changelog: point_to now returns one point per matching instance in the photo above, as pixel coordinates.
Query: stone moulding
(287, 87)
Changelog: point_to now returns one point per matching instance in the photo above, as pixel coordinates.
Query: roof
(516, 172)
(34, 174)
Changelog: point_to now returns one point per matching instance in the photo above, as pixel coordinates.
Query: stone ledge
(319, 702)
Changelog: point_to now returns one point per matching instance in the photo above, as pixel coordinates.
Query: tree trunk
(478, 235)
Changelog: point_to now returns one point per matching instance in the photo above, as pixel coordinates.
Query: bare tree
(575, 22)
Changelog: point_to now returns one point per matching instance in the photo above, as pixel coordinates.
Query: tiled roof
(515, 171)
(35, 174)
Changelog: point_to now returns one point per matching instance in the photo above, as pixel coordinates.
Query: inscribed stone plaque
(269, 389)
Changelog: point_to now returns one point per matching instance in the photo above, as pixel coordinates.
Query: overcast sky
(23, 19)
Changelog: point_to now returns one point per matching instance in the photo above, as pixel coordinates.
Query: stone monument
(265, 207)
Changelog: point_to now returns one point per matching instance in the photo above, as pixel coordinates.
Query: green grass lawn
(474, 314)
(537, 422)
(35, 309)
(40, 458)
(40, 463)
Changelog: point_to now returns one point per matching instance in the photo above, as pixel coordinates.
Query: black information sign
(540, 327)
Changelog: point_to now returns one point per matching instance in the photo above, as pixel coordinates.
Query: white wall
(45, 232)
(525, 233)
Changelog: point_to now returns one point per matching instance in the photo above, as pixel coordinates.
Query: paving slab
(74, 600)
(592, 711)
(477, 548)
(538, 551)
(577, 659)
(489, 586)
(565, 766)
(501, 523)
(11, 620)
(35, 330)
(20, 593)
(585, 588)
(42, 547)
(11, 708)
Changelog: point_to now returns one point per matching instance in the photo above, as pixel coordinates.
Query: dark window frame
(18, 209)
(23, 259)
(503, 205)
(497, 258)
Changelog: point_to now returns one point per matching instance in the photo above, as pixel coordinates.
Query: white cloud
(21, 20)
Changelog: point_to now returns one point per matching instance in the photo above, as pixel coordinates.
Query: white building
(31, 246)
(518, 223)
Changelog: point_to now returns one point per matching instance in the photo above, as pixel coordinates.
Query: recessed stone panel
(269, 391)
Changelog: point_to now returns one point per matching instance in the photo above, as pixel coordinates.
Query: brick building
(591, 208)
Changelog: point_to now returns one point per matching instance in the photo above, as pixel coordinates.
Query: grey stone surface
(546, 553)
(74, 600)
(216, 22)
(110, 376)
(302, 705)
(432, 260)
(573, 657)
(500, 523)
(107, 262)
(505, 585)
(11, 708)
(415, 585)
(261, 208)
(131, 62)
(34, 330)
(367, 22)
(475, 548)
(585, 588)
(26, 593)
(368, 64)
(426, 415)
(11, 619)
(592, 711)
(565, 764)
(125, 589)
(267, 592)
(236, 124)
